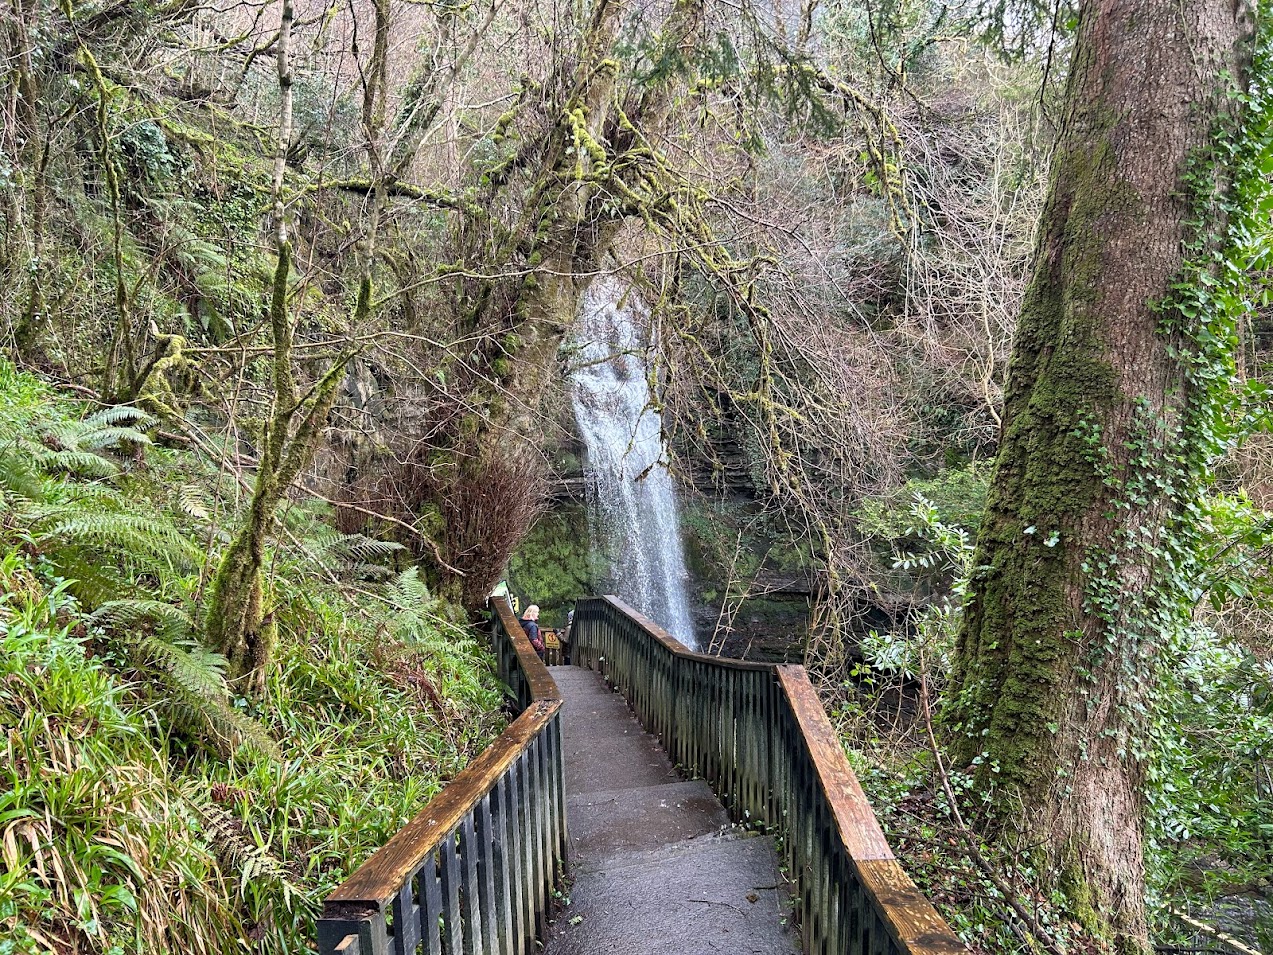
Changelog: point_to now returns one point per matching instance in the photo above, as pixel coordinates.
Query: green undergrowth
(1209, 793)
(143, 805)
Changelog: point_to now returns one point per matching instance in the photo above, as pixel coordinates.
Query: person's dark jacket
(532, 633)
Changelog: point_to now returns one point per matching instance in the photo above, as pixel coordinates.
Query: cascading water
(632, 500)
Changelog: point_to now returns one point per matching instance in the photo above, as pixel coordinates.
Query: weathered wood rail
(473, 873)
(759, 736)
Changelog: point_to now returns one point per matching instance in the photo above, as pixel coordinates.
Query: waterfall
(632, 500)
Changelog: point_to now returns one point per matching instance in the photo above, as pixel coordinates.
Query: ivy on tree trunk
(1076, 579)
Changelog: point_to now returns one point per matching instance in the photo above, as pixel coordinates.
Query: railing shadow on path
(473, 873)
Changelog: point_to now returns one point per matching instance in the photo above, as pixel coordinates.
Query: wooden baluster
(535, 789)
(518, 850)
(717, 717)
(452, 928)
(768, 720)
(879, 936)
(732, 709)
(751, 748)
(855, 930)
(790, 790)
(503, 863)
(430, 895)
(760, 751)
(706, 701)
(406, 920)
(729, 749)
(823, 887)
(530, 848)
(838, 943)
(333, 932)
(657, 675)
(682, 724)
(470, 897)
(548, 813)
(485, 834)
(559, 787)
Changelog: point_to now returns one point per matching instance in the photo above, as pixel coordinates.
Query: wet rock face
(768, 629)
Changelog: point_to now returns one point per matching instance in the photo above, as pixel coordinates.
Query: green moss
(554, 565)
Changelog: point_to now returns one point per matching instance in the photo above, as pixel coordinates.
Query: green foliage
(956, 497)
(101, 845)
(144, 807)
(922, 830)
(927, 644)
(1210, 795)
(555, 565)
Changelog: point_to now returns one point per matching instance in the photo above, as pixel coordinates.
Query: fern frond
(368, 572)
(323, 541)
(356, 547)
(197, 671)
(413, 603)
(131, 535)
(411, 591)
(192, 502)
(18, 479)
(192, 677)
(117, 415)
(118, 614)
(99, 439)
(78, 462)
(238, 853)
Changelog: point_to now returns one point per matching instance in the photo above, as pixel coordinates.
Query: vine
(1171, 462)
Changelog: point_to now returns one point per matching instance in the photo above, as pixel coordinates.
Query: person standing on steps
(530, 623)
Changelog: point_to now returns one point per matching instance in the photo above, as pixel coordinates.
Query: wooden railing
(473, 873)
(759, 736)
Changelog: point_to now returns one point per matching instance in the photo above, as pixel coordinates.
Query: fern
(117, 415)
(238, 852)
(19, 480)
(351, 555)
(119, 614)
(130, 536)
(192, 502)
(160, 639)
(106, 429)
(414, 606)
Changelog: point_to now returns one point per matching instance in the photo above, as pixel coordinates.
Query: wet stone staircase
(656, 867)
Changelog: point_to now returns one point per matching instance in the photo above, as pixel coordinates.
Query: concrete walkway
(657, 868)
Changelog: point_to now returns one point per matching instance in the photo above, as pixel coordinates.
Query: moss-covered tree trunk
(1072, 588)
(237, 624)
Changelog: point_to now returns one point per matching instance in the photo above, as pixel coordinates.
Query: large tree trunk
(1072, 592)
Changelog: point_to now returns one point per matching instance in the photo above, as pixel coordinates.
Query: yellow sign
(550, 640)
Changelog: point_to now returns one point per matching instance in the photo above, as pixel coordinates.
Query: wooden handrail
(758, 734)
(474, 871)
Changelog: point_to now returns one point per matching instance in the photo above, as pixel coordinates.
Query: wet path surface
(657, 868)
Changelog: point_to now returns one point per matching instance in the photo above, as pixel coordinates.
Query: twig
(392, 520)
(1214, 932)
